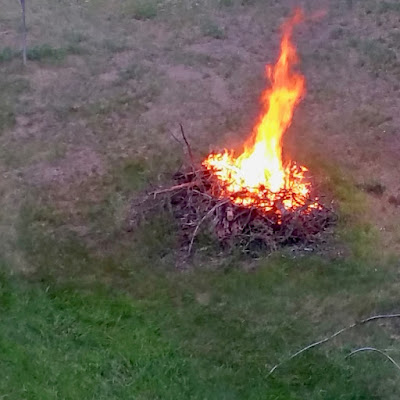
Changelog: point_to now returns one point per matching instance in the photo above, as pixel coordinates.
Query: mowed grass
(90, 311)
(128, 325)
(205, 334)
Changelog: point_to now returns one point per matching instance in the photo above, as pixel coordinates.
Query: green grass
(388, 6)
(127, 325)
(142, 9)
(11, 88)
(44, 53)
(7, 54)
(203, 334)
(213, 30)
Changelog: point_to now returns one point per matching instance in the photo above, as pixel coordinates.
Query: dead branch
(339, 332)
(376, 350)
(265, 224)
(202, 220)
(187, 145)
(175, 138)
(173, 188)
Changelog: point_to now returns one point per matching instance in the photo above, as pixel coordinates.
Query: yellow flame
(260, 169)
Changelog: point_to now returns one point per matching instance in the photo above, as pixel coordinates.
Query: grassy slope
(207, 335)
(129, 326)
(119, 322)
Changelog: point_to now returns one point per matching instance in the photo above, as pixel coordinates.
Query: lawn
(92, 310)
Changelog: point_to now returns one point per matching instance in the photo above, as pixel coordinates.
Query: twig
(23, 32)
(376, 350)
(175, 138)
(188, 146)
(176, 187)
(202, 220)
(322, 341)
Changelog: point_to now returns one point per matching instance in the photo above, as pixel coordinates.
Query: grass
(377, 56)
(89, 310)
(204, 334)
(13, 87)
(7, 54)
(44, 53)
(387, 7)
(213, 30)
(142, 9)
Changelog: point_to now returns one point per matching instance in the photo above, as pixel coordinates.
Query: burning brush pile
(254, 199)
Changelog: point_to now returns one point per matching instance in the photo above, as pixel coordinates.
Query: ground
(89, 310)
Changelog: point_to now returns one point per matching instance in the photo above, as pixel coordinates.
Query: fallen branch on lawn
(322, 341)
(376, 350)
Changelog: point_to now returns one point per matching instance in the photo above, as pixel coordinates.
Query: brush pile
(199, 206)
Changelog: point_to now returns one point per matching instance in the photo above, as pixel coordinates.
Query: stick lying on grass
(376, 350)
(322, 341)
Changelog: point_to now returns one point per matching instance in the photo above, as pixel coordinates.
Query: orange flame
(258, 175)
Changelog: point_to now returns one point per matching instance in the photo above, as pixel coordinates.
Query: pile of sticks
(198, 203)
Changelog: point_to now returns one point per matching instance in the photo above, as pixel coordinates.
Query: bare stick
(188, 145)
(175, 138)
(202, 220)
(376, 350)
(322, 341)
(176, 187)
(23, 32)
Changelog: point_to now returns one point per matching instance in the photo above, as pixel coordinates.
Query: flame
(259, 176)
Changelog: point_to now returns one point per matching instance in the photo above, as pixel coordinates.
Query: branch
(176, 187)
(175, 138)
(187, 145)
(221, 203)
(376, 350)
(322, 341)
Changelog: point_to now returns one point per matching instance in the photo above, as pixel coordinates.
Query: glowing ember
(259, 177)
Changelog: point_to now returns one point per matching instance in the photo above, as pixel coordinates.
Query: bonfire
(254, 199)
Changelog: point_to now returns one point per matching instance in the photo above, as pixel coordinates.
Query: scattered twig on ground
(376, 350)
(339, 332)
